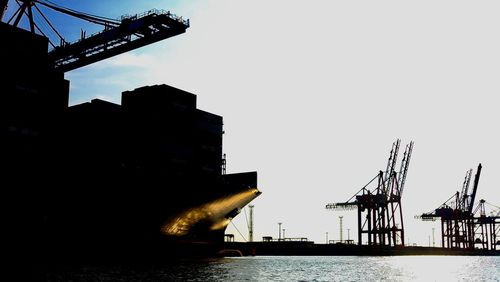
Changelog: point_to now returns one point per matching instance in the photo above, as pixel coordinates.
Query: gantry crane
(486, 228)
(118, 36)
(380, 217)
(456, 214)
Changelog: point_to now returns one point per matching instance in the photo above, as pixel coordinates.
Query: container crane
(381, 206)
(457, 216)
(486, 227)
(118, 36)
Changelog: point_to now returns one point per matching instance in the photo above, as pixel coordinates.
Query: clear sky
(313, 93)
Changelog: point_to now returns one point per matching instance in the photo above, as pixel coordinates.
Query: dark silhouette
(462, 225)
(98, 180)
(380, 216)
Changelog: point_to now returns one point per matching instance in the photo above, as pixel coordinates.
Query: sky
(313, 93)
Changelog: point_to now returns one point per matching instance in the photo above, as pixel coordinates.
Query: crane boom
(118, 36)
(132, 33)
(404, 166)
(474, 189)
(465, 190)
(391, 164)
(342, 206)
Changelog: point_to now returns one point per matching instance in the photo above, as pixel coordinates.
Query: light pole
(341, 231)
(348, 234)
(279, 230)
(250, 229)
(433, 238)
(283, 233)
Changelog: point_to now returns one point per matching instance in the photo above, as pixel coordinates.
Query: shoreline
(312, 249)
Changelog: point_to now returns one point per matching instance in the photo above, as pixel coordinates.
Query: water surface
(277, 268)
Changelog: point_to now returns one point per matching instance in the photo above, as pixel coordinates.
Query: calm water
(407, 268)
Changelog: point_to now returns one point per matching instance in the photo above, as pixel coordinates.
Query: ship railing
(156, 12)
(112, 25)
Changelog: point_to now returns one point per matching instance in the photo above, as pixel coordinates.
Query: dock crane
(486, 228)
(118, 36)
(456, 214)
(380, 217)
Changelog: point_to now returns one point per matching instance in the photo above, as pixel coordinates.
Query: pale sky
(313, 93)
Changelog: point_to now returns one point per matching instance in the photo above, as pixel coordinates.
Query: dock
(309, 248)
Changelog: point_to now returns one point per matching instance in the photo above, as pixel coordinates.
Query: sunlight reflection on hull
(216, 215)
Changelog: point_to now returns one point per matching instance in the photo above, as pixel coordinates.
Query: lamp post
(433, 238)
(279, 230)
(340, 229)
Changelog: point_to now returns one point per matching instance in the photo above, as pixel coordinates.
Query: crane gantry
(462, 226)
(456, 215)
(380, 217)
(486, 228)
(118, 36)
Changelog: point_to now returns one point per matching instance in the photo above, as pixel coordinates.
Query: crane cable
(239, 231)
(52, 4)
(497, 209)
(50, 25)
(246, 218)
(34, 23)
(84, 16)
(81, 15)
(75, 11)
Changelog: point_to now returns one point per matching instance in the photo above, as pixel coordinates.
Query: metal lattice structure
(119, 36)
(380, 217)
(461, 226)
(486, 228)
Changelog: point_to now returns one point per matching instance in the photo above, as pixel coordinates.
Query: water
(399, 268)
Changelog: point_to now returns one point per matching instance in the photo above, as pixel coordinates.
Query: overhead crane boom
(118, 36)
(405, 164)
(474, 189)
(464, 196)
(130, 34)
(342, 206)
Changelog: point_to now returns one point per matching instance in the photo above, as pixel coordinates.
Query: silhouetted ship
(100, 179)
